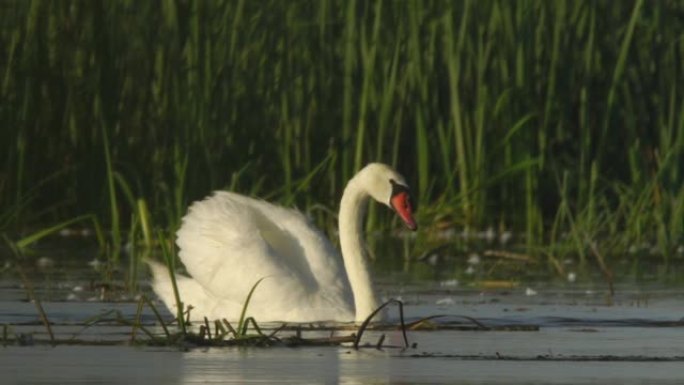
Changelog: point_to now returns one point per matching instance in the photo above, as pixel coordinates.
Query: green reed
(483, 105)
(169, 255)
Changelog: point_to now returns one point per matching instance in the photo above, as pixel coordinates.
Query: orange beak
(401, 203)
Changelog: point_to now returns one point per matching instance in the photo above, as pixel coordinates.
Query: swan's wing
(228, 242)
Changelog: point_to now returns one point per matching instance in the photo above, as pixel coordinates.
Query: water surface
(580, 334)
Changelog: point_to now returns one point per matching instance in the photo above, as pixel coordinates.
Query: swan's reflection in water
(302, 365)
(267, 365)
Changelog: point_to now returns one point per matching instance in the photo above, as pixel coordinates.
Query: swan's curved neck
(352, 210)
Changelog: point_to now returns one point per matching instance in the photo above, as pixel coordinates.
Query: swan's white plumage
(228, 242)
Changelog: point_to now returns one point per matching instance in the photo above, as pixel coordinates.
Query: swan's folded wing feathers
(314, 252)
(228, 242)
(218, 242)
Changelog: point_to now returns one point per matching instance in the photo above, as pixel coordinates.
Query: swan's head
(387, 186)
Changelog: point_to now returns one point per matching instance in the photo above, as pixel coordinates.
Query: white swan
(228, 242)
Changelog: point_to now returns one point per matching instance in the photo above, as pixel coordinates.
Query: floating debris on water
(449, 283)
(489, 235)
(505, 237)
(95, 264)
(45, 263)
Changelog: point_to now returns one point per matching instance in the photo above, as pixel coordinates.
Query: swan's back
(228, 242)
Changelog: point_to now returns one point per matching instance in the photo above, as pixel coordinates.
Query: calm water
(583, 337)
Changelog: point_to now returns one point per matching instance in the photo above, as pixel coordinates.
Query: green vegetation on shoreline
(563, 120)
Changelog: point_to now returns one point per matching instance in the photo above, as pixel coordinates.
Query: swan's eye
(398, 189)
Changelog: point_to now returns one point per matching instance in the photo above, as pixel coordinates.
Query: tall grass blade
(242, 322)
(26, 241)
(170, 259)
(114, 207)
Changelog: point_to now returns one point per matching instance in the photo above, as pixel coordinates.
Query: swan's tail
(190, 291)
(161, 284)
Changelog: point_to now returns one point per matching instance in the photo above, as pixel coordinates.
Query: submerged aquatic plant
(28, 286)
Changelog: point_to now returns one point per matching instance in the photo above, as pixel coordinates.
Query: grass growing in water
(483, 105)
(170, 261)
